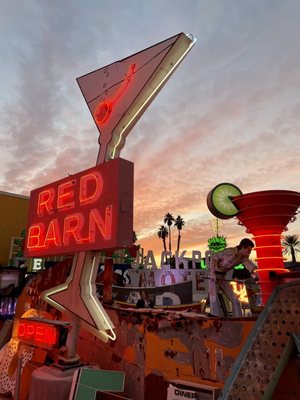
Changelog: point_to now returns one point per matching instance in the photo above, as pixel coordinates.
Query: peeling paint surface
(156, 347)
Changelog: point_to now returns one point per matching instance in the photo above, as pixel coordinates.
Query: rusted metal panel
(267, 351)
(154, 348)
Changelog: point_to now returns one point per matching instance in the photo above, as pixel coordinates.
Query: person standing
(144, 301)
(220, 263)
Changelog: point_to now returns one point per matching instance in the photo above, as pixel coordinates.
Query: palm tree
(292, 246)
(163, 234)
(134, 237)
(179, 223)
(169, 221)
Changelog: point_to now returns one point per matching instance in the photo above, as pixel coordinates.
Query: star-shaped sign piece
(118, 94)
(77, 296)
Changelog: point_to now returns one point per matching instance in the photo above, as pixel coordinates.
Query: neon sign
(90, 210)
(141, 75)
(104, 108)
(36, 333)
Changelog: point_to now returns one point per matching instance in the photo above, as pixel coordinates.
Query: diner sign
(91, 210)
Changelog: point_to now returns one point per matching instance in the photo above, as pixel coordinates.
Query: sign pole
(73, 333)
(72, 341)
(108, 278)
(72, 356)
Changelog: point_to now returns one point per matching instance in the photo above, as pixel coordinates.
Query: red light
(267, 235)
(265, 215)
(104, 108)
(269, 247)
(86, 196)
(96, 221)
(45, 202)
(37, 333)
(272, 269)
(102, 112)
(65, 195)
(52, 235)
(271, 258)
(91, 211)
(73, 225)
(33, 237)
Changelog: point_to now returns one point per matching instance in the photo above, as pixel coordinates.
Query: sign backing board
(91, 210)
(37, 333)
(86, 382)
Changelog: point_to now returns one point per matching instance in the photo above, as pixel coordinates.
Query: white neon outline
(151, 95)
(59, 288)
(89, 299)
(88, 276)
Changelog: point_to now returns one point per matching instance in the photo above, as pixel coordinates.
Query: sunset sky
(230, 113)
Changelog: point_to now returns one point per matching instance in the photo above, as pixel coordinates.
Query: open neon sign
(91, 210)
(40, 334)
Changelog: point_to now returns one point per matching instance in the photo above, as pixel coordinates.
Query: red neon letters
(91, 210)
(38, 333)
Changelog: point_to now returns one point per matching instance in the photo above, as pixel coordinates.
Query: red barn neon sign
(91, 210)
